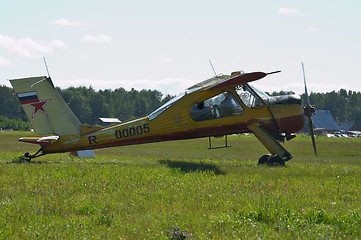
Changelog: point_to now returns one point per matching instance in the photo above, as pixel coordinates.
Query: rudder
(45, 108)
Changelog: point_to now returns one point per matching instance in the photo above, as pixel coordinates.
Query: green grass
(182, 189)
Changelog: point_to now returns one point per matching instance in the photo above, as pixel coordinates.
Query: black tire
(27, 157)
(264, 159)
(276, 161)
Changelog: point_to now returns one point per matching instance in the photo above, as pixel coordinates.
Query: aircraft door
(219, 106)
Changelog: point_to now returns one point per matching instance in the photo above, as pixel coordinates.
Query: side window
(248, 97)
(221, 105)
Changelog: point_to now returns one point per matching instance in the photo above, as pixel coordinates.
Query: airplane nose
(292, 124)
(288, 112)
(286, 100)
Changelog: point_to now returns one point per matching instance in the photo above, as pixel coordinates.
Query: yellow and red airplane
(219, 106)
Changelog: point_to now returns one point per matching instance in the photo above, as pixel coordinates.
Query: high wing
(236, 78)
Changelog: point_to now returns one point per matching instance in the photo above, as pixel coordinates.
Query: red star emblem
(39, 107)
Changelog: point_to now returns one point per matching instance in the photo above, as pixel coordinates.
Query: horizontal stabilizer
(43, 141)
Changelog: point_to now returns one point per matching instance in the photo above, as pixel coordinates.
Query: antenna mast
(46, 66)
(215, 74)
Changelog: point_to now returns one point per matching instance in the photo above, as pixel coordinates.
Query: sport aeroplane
(219, 106)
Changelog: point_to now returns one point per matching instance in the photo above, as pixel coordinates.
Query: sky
(166, 45)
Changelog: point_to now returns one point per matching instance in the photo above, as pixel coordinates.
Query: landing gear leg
(279, 154)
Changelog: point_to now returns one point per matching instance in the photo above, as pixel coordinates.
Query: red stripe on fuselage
(291, 124)
(195, 133)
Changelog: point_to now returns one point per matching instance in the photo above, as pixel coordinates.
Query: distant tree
(89, 104)
(15, 124)
(280, 93)
(9, 104)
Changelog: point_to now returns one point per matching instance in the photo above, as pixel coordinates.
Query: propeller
(309, 111)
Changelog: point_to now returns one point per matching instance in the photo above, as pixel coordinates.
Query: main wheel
(275, 161)
(264, 159)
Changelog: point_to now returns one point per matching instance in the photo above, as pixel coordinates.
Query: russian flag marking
(28, 97)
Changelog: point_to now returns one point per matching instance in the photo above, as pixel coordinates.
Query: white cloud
(97, 38)
(5, 62)
(288, 11)
(58, 43)
(312, 29)
(28, 47)
(66, 22)
(165, 59)
(85, 59)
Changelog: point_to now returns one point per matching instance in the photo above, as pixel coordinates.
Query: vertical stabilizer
(44, 107)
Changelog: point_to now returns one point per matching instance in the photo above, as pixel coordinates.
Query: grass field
(182, 189)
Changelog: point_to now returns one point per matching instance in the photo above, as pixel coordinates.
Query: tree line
(88, 104)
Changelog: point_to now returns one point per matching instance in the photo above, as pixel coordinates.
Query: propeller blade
(304, 81)
(309, 111)
(312, 135)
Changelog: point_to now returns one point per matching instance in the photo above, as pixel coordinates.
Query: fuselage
(195, 114)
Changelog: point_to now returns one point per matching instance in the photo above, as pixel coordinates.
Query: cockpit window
(249, 98)
(164, 107)
(263, 95)
(221, 105)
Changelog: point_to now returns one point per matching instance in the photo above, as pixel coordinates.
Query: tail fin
(44, 107)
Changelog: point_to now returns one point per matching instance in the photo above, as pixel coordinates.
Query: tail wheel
(27, 157)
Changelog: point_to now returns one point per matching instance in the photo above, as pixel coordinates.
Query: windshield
(164, 107)
(252, 97)
(263, 95)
